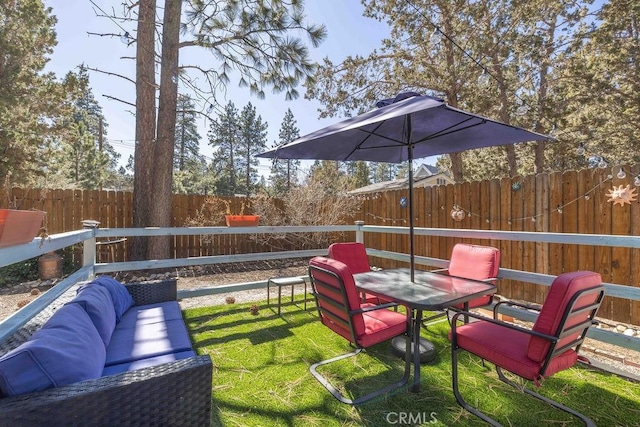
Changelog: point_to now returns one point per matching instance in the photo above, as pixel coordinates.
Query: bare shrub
(211, 213)
(307, 205)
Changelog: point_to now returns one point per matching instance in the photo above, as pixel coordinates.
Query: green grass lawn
(261, 377)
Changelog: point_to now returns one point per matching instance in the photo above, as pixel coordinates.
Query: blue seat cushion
(152, 313)
(147, 340)
(145, 363)
(67, 349)
(121, 297)
(96, 301)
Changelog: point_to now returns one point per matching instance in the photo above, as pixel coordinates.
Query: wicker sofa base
(170, 394)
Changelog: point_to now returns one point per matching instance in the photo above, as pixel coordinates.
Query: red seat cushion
(381, 325)
(369, 328)
(563, 288)
(507, 348)
(474, 262)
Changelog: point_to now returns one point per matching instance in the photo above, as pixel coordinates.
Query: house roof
(420, 179)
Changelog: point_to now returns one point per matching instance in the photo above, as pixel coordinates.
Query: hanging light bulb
(621, 174)
(580, 150)
(522, 109)
(436, 37)
(210, 108)
(636, 181)
(483, 79)
(602, 163)
(174, 79)
(553, 133)
(125, 38)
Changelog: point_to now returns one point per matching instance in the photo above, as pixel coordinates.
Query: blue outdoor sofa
(106, 354)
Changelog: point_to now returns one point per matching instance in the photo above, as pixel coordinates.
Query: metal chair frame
(349, 325)
(552, 352)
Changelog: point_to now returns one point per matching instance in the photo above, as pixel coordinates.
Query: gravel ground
(617, 359)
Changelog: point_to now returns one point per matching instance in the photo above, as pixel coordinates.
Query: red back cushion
(474, 261)
(563, 288)
(353, 301)
(354, 255)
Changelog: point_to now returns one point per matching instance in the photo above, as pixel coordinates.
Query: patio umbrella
(403, 128)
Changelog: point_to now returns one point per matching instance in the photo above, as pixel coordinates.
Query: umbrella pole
(412, 263)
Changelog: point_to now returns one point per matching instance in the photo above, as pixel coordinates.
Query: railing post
(89, 251)
(359, 232)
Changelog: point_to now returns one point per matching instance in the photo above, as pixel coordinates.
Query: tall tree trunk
(145, 123)
(163, 160)
(542, 95)
(456, 166)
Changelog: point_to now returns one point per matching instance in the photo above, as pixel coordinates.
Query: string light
(636, 181)
(125, 38)
(580, 150)
(602, 163)
(483, 79)
(621, 174)
(436, 37)
(522, 109)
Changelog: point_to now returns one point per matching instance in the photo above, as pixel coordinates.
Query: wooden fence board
(620, 257)
(570, 219)
(603, 226)
(528, 190)
(634, 259)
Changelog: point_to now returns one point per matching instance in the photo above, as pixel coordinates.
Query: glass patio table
(429, 292)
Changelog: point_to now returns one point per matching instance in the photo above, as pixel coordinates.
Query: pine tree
(284, 171)
(30, 102)
(86, 137)
(224, 137)
(253, 140)
(187, 139)
(261, 43)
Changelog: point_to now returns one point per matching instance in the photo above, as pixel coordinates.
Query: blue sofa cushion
(151, 313)
(122, 299)
(147, 340)
(96, 301)
(67, 349)
(145, 363)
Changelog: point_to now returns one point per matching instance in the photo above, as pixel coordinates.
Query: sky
(348, 33)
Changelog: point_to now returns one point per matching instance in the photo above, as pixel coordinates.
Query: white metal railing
(91, 268)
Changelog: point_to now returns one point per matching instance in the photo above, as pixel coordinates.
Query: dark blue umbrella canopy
(403, 128)
(426, 123)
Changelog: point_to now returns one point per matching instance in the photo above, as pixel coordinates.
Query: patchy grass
(261, 378)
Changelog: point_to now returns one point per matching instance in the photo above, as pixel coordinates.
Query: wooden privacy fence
(570, 202)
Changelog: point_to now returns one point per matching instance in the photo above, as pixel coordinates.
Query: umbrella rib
(447, 131)
(371, 133)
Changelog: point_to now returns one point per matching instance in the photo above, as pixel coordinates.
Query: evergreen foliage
(284, 171)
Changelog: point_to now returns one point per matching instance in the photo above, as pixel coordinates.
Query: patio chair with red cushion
(362, 324)
(550, 346)
(354, 255)
(472, 262)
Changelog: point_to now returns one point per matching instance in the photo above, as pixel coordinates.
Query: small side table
(286, 281)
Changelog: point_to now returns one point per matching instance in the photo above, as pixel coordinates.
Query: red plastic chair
(354, 255)
(550, 346)
(362, 324)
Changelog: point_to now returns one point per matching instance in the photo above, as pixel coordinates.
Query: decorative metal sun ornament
(622, 195)
(457, 213)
